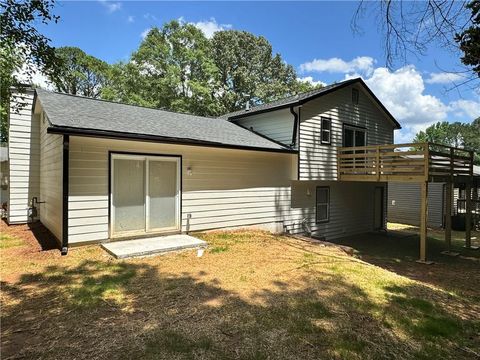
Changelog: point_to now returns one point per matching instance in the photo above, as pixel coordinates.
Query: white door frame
(146, 158)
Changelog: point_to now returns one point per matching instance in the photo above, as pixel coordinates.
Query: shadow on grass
(398, 251)
(124, 310)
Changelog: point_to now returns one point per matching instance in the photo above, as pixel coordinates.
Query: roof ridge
(313, 91)
(126, 104)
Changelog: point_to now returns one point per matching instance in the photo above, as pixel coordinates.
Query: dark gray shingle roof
(304, 97)
(67, 113)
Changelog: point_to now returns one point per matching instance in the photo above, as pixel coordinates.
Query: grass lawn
(251, 296)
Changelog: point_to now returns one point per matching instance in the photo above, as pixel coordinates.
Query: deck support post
(423, 222)
(468, 215)
(448, 216)
(448, 219)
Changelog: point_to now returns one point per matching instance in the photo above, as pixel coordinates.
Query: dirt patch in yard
(252, 295)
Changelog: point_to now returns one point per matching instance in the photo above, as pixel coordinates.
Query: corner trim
(65, 187)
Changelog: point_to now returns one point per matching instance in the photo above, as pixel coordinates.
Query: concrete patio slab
(154, 245)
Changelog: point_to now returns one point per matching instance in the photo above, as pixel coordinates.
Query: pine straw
(252, 295)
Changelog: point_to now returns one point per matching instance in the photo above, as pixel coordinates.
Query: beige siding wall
(51, 157)
(24, 157)
(351, 207)
(277, 125)
(404, 203)
(227, 188)
(317, 161)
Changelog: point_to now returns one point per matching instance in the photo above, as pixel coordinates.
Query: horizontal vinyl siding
(319, 162)
(24, 157)
(227, 188)
(51, 158)
(277, 125)
(404, 203)
(351, 207)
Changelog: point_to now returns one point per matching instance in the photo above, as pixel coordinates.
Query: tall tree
(173, 70)
(453, 134)
(22, 47)
(178, 68)
(79, 73)
(249, 71)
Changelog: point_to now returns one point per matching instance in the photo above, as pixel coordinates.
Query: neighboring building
(3, 179)
(404, 202)
(101, 170)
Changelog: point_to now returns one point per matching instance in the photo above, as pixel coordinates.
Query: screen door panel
(163, 194)
(129, 195)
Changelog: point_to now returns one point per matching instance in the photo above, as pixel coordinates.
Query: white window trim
(322, 130)
(327, 204)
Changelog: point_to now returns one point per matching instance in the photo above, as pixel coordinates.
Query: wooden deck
(405, 163)
(421, 163)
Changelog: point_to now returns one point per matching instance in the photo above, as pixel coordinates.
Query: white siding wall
(351, 207)
(51, 147)
(24, 157)
(277, 125)
(319, 162)
(404, 203)
(227, 188)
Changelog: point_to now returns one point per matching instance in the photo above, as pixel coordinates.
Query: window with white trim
(322, 204)
(326, 130)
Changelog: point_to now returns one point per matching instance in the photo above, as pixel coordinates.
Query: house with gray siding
(94, 171)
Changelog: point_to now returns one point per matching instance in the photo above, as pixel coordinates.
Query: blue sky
(315, 37)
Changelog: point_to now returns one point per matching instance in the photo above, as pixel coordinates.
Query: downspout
(66, 150)
(295, 126)
(296, 133)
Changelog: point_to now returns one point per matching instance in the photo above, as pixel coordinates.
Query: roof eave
(303, 101)
(64, 130)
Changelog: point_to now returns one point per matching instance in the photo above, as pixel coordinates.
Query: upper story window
(354, 136)
(355, 96)
(326, 131)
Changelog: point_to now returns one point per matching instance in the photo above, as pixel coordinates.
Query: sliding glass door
(145, 194)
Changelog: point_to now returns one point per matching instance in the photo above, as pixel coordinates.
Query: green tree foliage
(178, 68)
(22, 47)
(171, 69)
(79, 73)
(453, 134)
(469, 39)
(249, 71)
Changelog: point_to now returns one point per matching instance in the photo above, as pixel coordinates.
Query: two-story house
(96, 171)
(316, 124)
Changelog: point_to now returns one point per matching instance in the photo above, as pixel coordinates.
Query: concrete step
(150, 246)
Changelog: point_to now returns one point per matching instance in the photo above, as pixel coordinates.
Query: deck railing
(403, 162)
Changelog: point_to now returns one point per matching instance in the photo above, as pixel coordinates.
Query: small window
(323, 204)
(326, 132)
(355, 96)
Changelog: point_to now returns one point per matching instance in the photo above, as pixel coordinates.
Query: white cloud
(130, 19)
(469, 108)
(362, 64)
(145, 32)
(111, 6)
(208, 27)
(443, 78)
(310, 80)
(402, 92)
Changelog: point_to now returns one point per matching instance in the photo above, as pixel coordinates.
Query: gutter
(64, 130)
